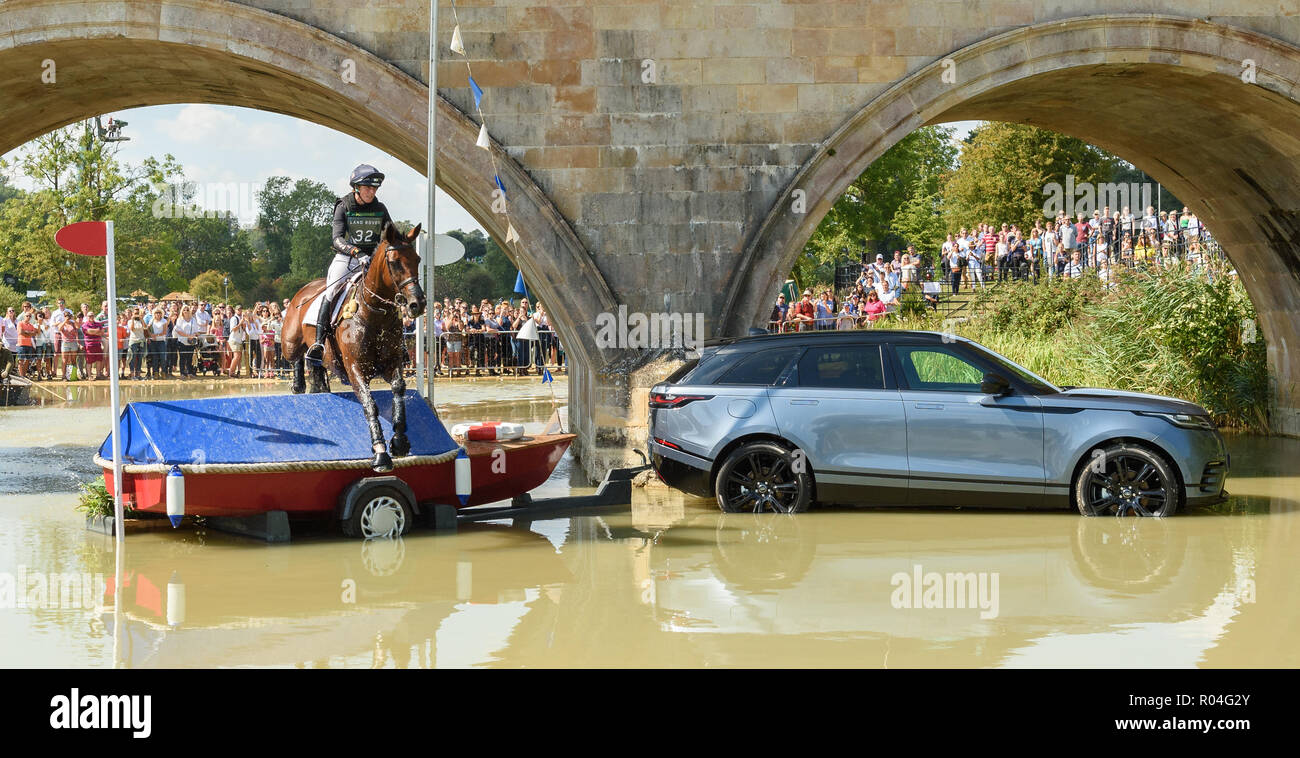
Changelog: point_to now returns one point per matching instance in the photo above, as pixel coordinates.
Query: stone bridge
(659, 152)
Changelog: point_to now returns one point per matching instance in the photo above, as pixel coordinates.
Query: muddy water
(668, 582)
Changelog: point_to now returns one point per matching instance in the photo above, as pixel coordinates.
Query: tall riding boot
(316, 353)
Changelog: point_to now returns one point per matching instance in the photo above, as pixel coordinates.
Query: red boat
(309, 455)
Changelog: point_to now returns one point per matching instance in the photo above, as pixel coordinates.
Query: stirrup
(316, 353)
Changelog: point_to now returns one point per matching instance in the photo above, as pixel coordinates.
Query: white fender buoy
(463, 484)
(489, 431)
(175, 600)
(175, 496)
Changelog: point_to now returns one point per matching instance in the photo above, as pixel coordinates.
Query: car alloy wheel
(1126, 480)
(760, 477)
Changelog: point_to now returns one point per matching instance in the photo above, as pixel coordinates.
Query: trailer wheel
(381, 511)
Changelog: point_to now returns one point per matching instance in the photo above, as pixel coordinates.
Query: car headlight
(1185, 420)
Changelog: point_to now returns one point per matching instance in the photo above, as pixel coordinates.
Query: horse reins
(398, 289)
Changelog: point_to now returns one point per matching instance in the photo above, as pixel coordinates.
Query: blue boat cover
(268, 428)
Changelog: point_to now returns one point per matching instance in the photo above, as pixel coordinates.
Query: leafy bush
(1037, 309)
(1185, 334)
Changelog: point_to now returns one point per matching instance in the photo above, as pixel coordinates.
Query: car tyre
(381, 512)
(761, 477)
(1124, 479)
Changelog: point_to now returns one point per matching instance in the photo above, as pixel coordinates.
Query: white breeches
(335, 279)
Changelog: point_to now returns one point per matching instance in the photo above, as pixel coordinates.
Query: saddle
(345, 305)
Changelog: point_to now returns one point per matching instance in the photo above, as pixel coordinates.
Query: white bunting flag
(457, 46)
(511, 234)
(483, 140)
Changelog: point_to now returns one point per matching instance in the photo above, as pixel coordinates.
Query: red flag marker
(84, 238)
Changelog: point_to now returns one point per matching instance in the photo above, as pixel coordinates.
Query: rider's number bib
(364, 228)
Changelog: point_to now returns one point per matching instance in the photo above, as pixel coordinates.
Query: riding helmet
(366, 175)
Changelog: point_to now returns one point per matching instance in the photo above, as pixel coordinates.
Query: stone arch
(1166, 92)
(112, 56)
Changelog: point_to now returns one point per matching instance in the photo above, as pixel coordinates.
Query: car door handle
(803, 402)
(929, 406)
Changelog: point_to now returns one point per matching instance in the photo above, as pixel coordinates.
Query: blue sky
(221, 144)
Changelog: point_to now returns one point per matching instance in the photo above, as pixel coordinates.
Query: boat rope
(278, 466)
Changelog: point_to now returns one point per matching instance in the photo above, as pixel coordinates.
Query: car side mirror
(995, 384)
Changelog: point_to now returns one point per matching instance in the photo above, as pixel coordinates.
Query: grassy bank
(1176, 333)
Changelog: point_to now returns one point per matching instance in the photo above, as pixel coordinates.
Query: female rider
(359, 221)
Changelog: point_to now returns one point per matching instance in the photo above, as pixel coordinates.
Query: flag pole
(114, 392)
(429, 340)
(419, 322)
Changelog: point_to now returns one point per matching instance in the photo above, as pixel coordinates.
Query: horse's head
(402, 267)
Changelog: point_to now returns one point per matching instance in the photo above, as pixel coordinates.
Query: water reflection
(670, 581)
(708, 589)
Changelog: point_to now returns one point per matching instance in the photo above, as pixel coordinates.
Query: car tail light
(666, 443)
(669, 400)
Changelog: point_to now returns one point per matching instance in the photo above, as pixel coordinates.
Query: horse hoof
(399, 446)
(382, 463)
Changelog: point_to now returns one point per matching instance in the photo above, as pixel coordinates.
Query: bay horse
(369, 344)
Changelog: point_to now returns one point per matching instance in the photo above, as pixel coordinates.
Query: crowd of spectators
(485, 338)
(189, 339)
(1065, 248)
(877, 293)
(986, 254)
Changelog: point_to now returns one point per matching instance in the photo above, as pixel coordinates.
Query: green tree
(213, 242)
(867, 208)
(7, 190)
(288, 285)
(1005, 171)
(919, 220)
(467, 280)
(283, 208)
(77, 178)
(868, 205)
(309, 250)
(210, 286)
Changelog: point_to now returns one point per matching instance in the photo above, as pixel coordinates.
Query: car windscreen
(1037, 384)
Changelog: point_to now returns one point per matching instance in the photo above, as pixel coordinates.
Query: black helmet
(366, 175)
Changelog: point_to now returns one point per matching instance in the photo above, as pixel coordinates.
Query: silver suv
(778, 422)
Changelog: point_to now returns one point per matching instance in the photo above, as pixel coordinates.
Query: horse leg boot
(399, 445)
(382, 462)
(320, 381)
(299, 380)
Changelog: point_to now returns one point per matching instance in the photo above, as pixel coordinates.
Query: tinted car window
(938, 369)
(761, 367)
(842, 366)
(685, 369)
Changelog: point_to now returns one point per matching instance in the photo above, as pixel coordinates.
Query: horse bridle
(399, 299)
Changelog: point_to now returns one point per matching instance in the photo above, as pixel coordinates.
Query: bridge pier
(609, 409)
